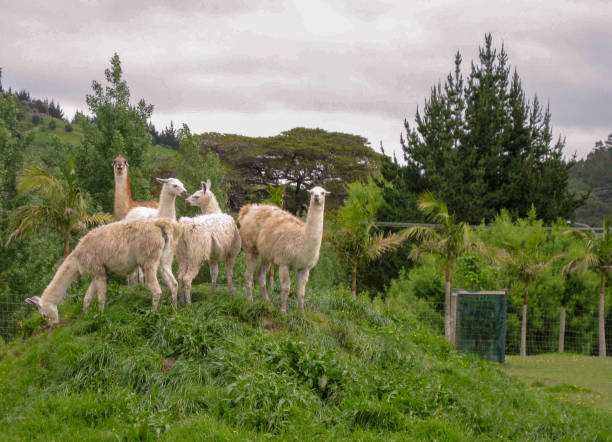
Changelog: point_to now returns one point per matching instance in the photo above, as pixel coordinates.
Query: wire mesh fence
(13, 311)
(548, 330)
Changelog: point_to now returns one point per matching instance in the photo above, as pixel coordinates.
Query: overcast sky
(258, 67)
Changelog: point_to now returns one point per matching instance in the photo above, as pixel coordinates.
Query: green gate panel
(480, 323)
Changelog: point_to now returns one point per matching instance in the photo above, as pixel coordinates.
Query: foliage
(62, 209)
(298, 159)
(592, 176)
(353, 234)
(117, 128)
(449, 239)
(276, 196)
(482, 147)
(597, 257)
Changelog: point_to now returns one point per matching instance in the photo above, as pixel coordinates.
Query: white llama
(282, 239)
(212, 236)
(116, 248)
(167, 209)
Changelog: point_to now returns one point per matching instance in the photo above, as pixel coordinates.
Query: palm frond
(432, 208)
(98, 219)
(419, 233)
(31, 218)
(381, 244)
(33, 177)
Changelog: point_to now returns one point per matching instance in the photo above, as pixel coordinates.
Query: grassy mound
(229, 369)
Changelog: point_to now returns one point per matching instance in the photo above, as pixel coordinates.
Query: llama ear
(33, 300)
(162, 180)
(203, 186)
(208, 184)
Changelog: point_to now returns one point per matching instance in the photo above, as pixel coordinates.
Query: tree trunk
(562, 330)
(447, 299)
(354, 283)
(602, 325)
(66, 245)
(524, 324)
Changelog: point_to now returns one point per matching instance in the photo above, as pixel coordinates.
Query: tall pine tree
(481, 146)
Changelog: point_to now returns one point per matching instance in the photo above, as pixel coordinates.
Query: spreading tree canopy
(482, 146)
(298, 159)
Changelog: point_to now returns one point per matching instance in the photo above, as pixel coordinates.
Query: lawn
(566, 377)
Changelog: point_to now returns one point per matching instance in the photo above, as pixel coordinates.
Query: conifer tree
(482, 146)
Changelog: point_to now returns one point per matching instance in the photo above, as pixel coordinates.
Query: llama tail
(65, 275)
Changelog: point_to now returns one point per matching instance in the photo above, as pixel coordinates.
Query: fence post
(562, 330)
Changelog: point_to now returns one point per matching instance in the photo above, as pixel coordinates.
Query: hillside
(228, 369)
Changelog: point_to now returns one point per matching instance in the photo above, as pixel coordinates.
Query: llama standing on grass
(284, 240)
(167, 209)
(113, 248)
(123, 192)
(212, 236)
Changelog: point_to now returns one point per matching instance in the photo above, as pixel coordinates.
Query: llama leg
(190, 273)
(251, 262)
(271, 283)
(150, 274)
(132, 278)
(165, 269)
(302, 280)
(101, 291)
(229, 271)
(285, 283)
(214, 272)
(91, 292)
(181, 290)
(261, 278)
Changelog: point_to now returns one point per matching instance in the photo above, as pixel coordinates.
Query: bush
(68, 127)
(35, 120)
(52, 125)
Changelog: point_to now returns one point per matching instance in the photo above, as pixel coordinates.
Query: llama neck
(65, 275)
(167, 208)
(211, 207)
(123, 196)
(313, 229)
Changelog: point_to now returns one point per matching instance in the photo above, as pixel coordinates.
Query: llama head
(201, 198)
(120, 166)
(48, 311)
(173, 185)
(317, 195)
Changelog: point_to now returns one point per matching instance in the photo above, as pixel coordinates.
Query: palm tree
(353, 235)
(597, 257)
(524, 263)
(63, 208)
(449, 239)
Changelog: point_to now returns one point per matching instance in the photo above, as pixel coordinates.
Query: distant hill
(594, 173)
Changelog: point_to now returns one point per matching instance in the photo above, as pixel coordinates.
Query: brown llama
(123, 191)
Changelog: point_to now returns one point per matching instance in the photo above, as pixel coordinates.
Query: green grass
(229, 369)
(566, 377)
